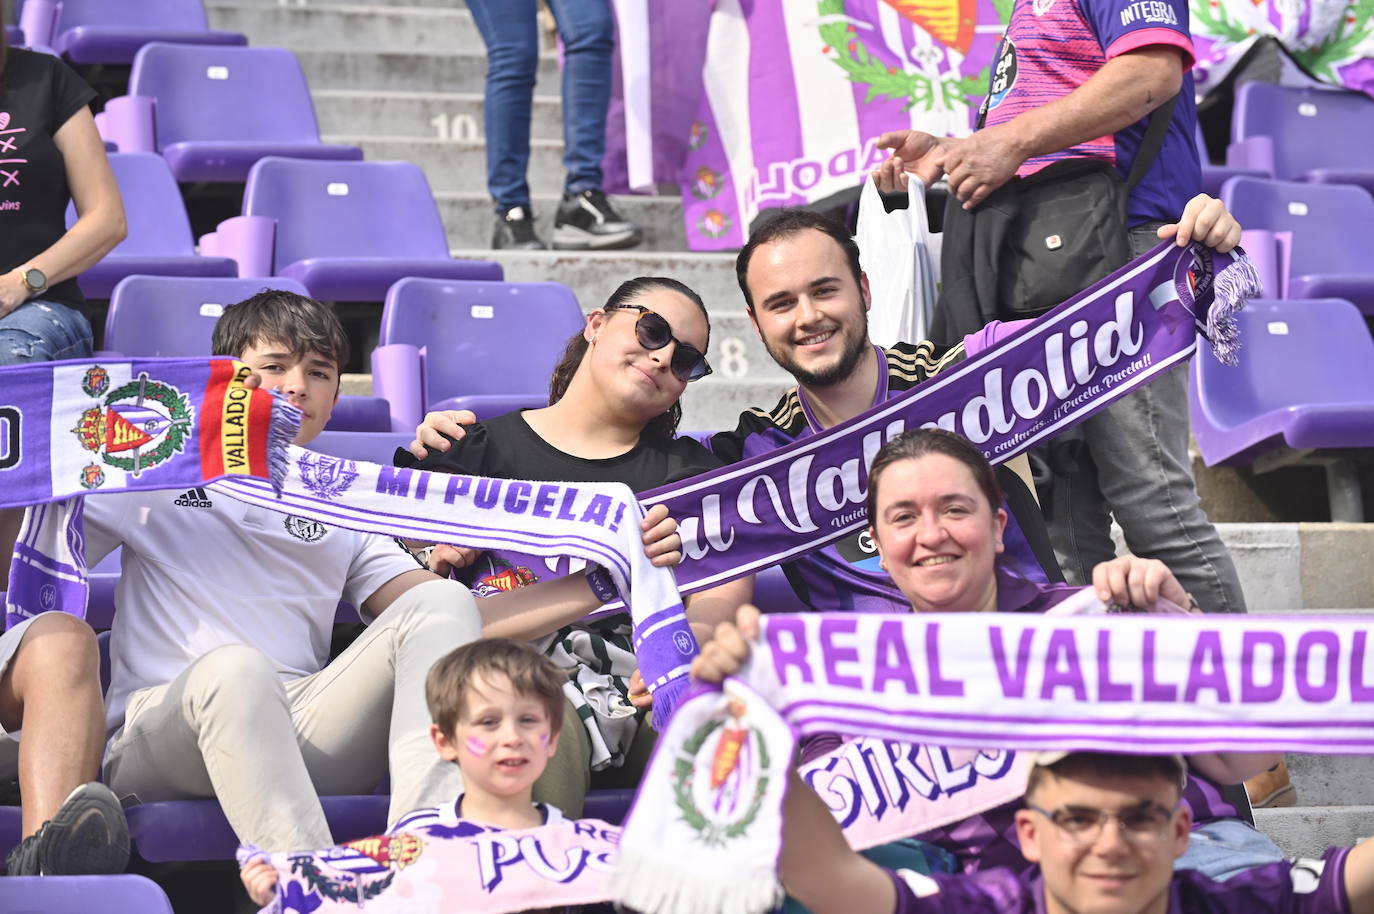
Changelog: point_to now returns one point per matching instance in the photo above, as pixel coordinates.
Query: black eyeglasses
(653, 332)
(1142, 824)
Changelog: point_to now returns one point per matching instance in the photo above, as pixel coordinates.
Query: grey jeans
(228, 728)
(1134, 463)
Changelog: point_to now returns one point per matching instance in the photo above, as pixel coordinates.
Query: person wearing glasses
(1105, 831)
(934, 515)
(613, 410)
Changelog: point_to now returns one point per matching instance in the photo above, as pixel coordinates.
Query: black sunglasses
(653, 332)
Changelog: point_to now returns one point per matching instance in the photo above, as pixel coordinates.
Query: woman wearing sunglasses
(612, 414)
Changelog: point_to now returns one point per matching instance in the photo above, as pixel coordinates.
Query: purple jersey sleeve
(1125, 25)
(1303, 886)
(990, 892)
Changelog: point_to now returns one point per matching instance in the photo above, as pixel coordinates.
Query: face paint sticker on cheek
(476, 746)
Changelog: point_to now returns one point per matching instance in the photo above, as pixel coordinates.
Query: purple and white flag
(796, 94)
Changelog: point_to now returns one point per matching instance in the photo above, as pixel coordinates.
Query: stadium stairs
(405, 80)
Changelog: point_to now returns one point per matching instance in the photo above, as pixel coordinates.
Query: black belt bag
(1070, 228)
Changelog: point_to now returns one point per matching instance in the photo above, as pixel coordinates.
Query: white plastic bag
(901, 257)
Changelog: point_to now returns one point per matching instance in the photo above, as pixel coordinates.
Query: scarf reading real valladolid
(1077, 359)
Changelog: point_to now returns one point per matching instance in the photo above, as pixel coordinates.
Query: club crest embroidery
(358, 871)
(504, 577)
(138, 426)
(722, 809)
(326, 476)
(96, 381)
(92, 476)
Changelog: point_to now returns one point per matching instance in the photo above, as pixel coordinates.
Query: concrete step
(1333, 780)
(436, 115)
(594, 275)
(1307, 831)
(459, 165)
(439, 29)
(715, 403)
(1313, 566)
(468, 219)
(354, 68)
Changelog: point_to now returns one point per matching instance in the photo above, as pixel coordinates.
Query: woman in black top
(50, 154)
(613, 409)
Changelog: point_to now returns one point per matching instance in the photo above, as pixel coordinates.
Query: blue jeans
(43, 331)
(1133, 460)
(1221, 849)
(510, 30)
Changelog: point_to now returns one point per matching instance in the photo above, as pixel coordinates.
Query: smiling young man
(1103, 829)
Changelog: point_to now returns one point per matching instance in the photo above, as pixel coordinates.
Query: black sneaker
(87, 835)
(515, 231)
(587, 221)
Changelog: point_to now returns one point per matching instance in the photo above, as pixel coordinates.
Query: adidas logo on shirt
(194, 498)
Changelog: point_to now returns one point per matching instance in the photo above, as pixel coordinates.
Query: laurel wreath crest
(684, 771)
(338, 891)
(178, 407)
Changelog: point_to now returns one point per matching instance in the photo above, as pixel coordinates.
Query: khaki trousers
(229, 728)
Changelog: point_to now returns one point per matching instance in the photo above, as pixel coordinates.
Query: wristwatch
(35, 280)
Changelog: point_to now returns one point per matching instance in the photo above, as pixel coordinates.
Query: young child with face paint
(497, 709)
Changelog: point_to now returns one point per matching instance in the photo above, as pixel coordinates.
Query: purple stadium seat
(344, 230)
(1305, 384)
(101, 31)
(173, 316)
(369, 447)
(1213, 176)
(1302, 134)
(126, 894)
(177, 105)
(11, 827)
(159, 241)
(1328, 226)
(190, 830)
(485, 346)
(14, 36)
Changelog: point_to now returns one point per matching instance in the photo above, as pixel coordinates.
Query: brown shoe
(1272, 788)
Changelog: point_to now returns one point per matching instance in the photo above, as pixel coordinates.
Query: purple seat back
(1306, 373)
(124, 894)
(370, 447)
(14, 36)
(225, 93)
(1311, 128)
(483, 338)
(174, 316)
(1332, 224)
(152, 14)
(158, 225)
(346, 209)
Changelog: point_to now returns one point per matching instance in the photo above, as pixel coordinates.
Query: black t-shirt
(507, 448)
(40, 93)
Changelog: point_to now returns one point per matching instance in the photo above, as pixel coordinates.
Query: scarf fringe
(1234, 284)
(281, 432)
(666, 699)
(644, 883)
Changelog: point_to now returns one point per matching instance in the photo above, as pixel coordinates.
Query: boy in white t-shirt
(221, 684)
(497, 709)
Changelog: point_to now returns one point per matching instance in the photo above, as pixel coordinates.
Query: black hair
(922, 441)
(784, 223)
(664, 425)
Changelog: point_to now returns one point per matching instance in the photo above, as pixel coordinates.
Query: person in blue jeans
(585, 218)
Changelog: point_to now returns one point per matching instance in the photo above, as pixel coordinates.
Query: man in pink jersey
(1080, 78)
